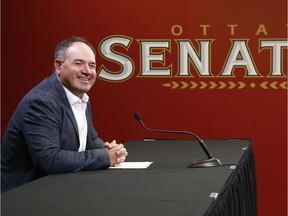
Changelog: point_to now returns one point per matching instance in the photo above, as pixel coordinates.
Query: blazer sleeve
(42, 131)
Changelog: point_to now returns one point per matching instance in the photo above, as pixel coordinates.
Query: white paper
(132, 165)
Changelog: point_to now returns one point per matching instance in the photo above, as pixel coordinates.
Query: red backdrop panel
(214, 107)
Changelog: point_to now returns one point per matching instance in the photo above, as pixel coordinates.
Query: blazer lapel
(64, 100)
(72, 118)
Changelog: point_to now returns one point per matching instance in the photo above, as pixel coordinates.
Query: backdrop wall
(218, 69)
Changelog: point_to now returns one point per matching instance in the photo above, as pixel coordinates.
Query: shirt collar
(72, 98)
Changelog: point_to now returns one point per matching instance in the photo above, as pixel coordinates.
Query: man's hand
(116, 152)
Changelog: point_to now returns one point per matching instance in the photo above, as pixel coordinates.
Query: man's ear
(57, 65)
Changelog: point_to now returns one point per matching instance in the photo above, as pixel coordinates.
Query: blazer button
(76, 149)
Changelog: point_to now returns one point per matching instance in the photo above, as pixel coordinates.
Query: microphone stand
(204, 163)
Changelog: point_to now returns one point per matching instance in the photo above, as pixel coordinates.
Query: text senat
(153, 52)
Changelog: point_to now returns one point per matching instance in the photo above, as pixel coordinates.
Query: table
(167, 187)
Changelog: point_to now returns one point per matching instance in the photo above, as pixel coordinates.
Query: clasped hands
(117, 153)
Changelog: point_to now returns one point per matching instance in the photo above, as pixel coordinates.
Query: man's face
(78, 70)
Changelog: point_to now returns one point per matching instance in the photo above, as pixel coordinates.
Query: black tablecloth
(167, 187)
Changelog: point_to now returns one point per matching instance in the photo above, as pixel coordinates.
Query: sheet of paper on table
(132, 165)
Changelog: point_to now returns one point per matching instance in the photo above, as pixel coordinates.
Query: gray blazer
(42, 138)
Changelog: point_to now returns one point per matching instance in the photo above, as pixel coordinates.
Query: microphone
(210, 162)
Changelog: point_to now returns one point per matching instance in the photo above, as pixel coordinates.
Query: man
(51, 130)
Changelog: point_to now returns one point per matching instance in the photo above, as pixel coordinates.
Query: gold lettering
(176, 30)
(232, 28)
(261, 29)
(204, 27)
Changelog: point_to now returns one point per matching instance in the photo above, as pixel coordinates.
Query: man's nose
(86, 69)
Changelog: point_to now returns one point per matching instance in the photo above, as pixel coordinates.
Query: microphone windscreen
(137, 116)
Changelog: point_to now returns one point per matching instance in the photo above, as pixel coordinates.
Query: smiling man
(51, 130)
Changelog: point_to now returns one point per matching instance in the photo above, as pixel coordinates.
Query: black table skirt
(239, 195)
